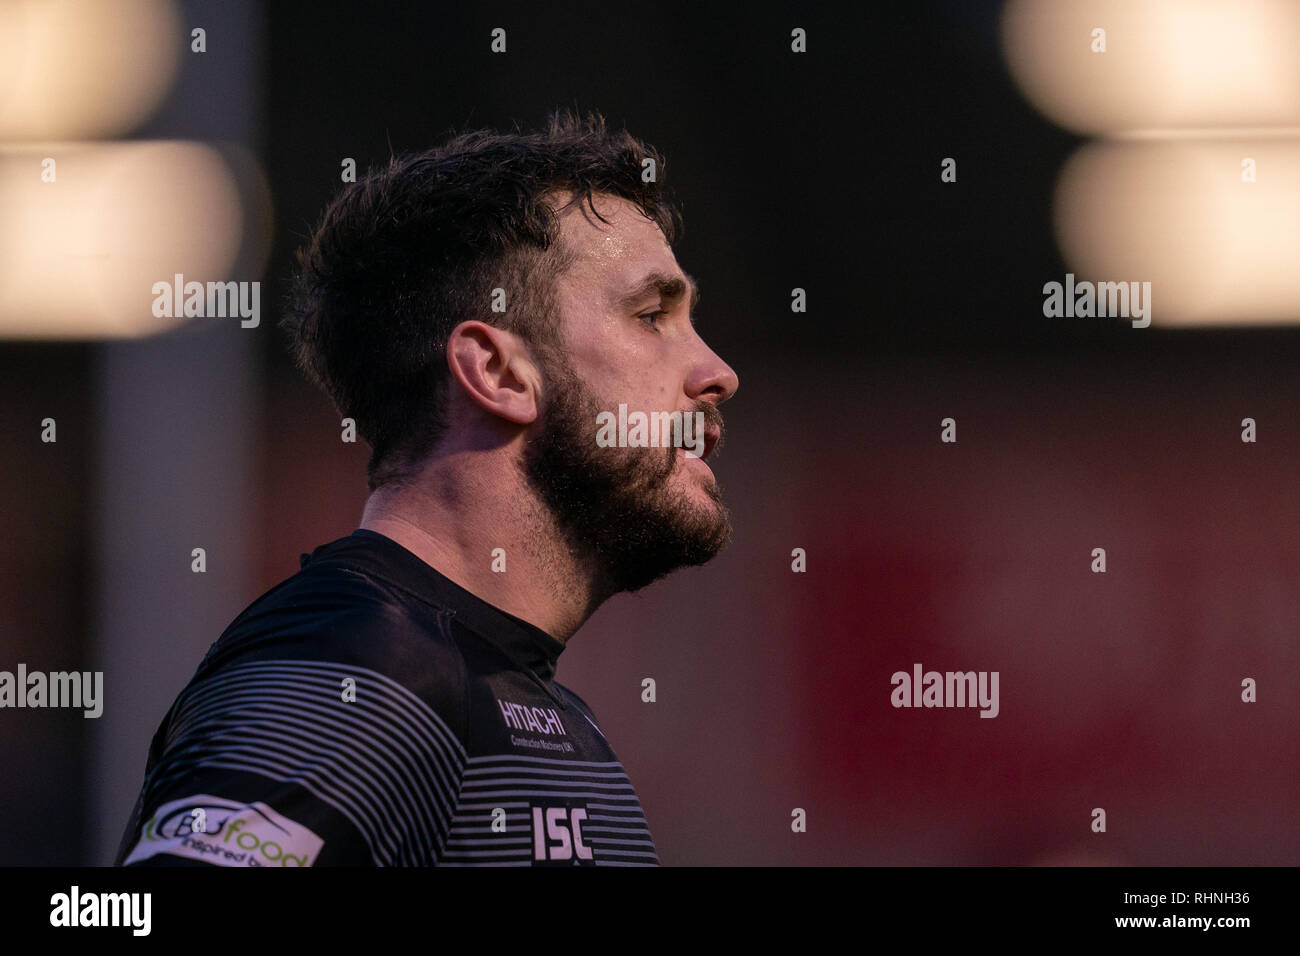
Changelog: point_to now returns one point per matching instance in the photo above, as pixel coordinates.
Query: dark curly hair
(411, 250)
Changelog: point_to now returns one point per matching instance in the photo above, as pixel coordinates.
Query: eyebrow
(666, 286)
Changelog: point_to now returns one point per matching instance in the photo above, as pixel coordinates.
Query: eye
(650, 317)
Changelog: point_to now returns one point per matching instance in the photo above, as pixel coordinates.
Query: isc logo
(557, 834)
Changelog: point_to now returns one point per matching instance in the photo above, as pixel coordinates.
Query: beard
(617, 507)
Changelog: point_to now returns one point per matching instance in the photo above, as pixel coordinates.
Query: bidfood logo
(226, 833)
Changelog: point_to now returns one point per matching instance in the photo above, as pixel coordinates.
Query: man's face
(642, 511)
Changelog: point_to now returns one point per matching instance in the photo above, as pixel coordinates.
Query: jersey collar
(524, 643)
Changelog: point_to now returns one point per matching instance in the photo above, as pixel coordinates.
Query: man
(477, 310)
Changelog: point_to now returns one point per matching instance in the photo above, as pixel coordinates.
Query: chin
(699, 484)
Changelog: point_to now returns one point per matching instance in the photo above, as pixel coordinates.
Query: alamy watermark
(75, 908)
(949, 689)
(651, 430)
(215, 300)
(1129, 300)
(83, 689)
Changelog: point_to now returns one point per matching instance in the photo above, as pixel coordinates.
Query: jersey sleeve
(315, 749)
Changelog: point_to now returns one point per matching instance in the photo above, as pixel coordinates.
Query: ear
(495, 370)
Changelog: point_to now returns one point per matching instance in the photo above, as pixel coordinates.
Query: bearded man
(475, 309)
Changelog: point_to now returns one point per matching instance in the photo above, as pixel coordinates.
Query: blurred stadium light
(1196, 186)
(87, 228)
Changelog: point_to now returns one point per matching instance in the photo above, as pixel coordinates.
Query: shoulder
(327, 709)
(335, 629)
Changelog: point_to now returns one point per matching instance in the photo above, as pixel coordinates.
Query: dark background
(817, 171)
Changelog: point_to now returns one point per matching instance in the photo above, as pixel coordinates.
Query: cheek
(625, 368)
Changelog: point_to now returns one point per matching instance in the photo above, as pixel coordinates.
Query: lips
(712, 439)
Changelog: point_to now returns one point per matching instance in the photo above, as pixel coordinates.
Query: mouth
(694, 462)
(712, 438)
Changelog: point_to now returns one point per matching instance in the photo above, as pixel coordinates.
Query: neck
(454, 517)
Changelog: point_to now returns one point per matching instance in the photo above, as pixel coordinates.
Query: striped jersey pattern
(614, 827)
(369, 712)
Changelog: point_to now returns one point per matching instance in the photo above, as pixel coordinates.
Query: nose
(711, 377)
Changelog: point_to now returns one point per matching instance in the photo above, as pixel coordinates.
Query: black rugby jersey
(370, 711)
